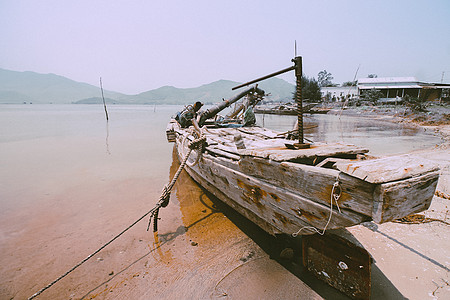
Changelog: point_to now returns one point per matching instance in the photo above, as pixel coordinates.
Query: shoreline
(437, 119)
(438, 123)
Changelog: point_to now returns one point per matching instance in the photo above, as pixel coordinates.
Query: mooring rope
(163, 202)
(165, 196)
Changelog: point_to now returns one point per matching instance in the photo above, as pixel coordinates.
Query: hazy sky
(136, 46)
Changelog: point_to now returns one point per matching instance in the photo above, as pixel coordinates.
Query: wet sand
(72, 198)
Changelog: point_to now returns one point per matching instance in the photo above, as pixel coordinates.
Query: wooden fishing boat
(285, 189)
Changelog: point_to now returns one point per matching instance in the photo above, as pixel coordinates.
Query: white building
(390, 87)
(393, 87)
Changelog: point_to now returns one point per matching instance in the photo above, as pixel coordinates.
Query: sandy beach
(203, 250)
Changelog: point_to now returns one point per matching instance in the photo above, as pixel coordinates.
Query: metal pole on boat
(298, 95)
(264, 77)
(298, 99)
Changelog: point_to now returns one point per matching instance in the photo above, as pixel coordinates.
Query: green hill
(20, 87)
(208, 93)
(99, 100)
(279, 90)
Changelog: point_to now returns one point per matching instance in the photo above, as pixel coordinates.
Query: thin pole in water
(104, 103)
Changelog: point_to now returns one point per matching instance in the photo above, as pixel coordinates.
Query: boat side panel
(224, 198)
(279, 207)
(312, 182)
(212, 187)
(394, 200)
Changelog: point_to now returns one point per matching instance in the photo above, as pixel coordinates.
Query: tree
(310, 89)
(372, 95)
(324, 78)
(350, 83)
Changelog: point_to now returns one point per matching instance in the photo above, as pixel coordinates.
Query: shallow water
(379, 136)
(69, 182)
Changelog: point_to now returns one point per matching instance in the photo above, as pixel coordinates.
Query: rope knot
(164, 200)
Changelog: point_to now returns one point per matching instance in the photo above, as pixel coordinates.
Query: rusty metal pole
(299, 100)
(298, 96)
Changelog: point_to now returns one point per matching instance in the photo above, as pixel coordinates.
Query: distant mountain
(279, 89)
(207, 93)
(19, 87)
(99, 100)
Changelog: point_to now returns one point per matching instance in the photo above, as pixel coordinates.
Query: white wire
(333, 197)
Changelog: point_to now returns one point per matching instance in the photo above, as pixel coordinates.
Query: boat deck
(269, 144)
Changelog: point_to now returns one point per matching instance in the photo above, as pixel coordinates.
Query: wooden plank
(312, 182)
(388, 169)
(260, 132)
(331, 160)
(231, 164)
(339, 262)
(399, 199)
(219, 152)
(219, 177)
(226, 139)
(316, 150)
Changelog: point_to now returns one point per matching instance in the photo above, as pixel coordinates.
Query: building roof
(437, 85)
(392, 86)
(398, 83)
(388, 80)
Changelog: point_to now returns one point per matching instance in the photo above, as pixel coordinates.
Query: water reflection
(107, 138)
(195, 205)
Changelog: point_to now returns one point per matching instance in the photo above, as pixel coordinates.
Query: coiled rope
(163, 202)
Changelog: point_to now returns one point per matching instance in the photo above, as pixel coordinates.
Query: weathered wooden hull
(291, 191)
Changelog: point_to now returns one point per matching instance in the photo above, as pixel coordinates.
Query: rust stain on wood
(324, 193)
(253, 193)
(282, 218)
(274, 197)
(275, 148)
(308, 215)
